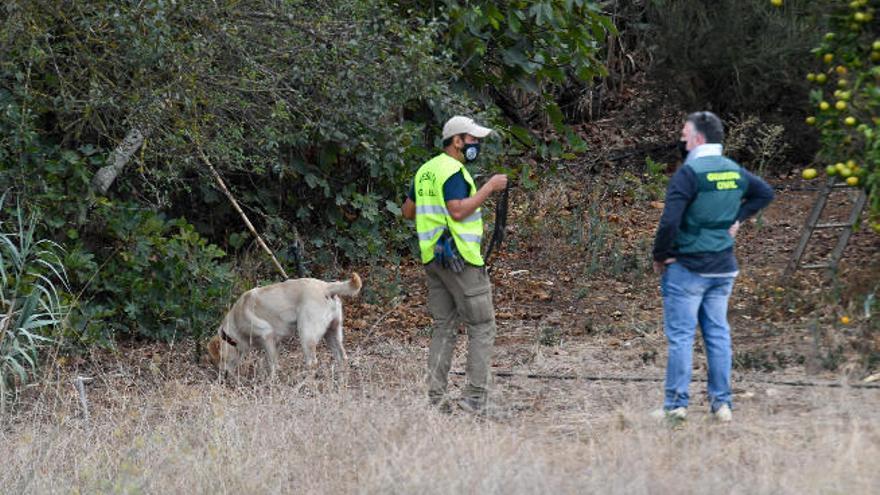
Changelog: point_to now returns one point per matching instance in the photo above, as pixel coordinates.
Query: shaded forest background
(316, 114)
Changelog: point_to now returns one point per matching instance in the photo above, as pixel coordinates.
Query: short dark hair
(448, 141)
(709, 125)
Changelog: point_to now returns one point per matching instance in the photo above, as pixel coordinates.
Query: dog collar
(227, 338)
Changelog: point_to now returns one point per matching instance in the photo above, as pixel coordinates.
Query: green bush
(135, 272)
(161, 280)
(316, 114)
(301, 106)
(732, 56)
(520, 54)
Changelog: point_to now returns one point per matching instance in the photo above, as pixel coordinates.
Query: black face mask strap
(682, 148)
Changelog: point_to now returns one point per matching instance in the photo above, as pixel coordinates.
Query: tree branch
(244, 217)
(118, 159)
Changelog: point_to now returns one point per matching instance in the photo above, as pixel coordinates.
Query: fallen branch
(118, 159)
(79, 383)
(244, 217)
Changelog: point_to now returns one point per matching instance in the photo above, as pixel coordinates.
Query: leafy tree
(733, 56)
(846, 96)
(315, 113)
(519, 54)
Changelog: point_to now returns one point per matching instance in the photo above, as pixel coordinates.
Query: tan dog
(267, 314)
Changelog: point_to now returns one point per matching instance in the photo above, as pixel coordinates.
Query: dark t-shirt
(455, 187)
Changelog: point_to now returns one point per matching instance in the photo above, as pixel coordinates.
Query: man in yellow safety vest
(445, 203)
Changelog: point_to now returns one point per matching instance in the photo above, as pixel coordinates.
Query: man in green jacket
(445, 203)
(707, 199)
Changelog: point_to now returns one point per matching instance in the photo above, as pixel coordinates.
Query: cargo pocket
(478, 304)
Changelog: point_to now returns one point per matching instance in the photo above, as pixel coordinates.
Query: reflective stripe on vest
(432, 217)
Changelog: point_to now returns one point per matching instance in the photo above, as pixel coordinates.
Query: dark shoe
(442, 404)
(472, 406)
(484, 409)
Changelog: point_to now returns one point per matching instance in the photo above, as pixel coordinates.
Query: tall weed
(33, 287)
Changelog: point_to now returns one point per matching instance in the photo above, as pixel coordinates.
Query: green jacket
(721, 187)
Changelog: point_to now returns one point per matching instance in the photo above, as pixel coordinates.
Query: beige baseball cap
(464, 125)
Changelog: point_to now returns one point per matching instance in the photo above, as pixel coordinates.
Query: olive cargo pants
(465, 297)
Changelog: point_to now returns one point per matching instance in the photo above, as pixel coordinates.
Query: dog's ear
(214, 350)
(355, 281)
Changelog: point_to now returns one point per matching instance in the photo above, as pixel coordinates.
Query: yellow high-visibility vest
(432, 217)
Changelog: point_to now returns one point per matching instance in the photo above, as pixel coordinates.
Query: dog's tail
(350, 288)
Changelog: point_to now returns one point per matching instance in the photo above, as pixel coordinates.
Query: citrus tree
(845, 98)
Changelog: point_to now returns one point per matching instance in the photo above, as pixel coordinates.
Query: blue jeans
(688, 299)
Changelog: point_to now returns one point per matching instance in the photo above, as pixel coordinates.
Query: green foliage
(33, 286)
(527, 43)
(656, 178)
(732, 55)
(603, 250)
(847, 81)
(162, 280)
(316, 114)
(300, 106)
(550, 336)
(520, 55)
(135, 272)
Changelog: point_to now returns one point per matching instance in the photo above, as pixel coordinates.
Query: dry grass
(371, 431)
(161, 424)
